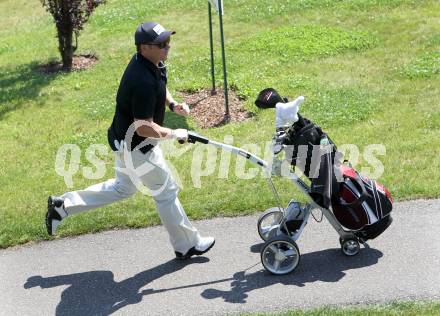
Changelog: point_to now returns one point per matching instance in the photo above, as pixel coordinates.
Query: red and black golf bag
(358, 203)
(362, 204)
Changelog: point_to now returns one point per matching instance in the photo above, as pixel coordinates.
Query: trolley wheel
(280, 255)
(350, 247)
(268, 223)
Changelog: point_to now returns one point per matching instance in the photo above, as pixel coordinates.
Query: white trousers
(157, 178)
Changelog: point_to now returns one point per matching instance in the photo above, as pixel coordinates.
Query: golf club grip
(194, 137)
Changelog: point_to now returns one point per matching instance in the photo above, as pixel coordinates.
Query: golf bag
(362, 204)
(358, 203)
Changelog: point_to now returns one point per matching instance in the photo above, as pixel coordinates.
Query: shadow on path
(97, 293)
(324, 266)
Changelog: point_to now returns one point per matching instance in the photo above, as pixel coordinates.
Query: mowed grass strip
(302, 42)
(393, 309)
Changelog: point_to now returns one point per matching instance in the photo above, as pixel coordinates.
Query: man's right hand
(180, 134)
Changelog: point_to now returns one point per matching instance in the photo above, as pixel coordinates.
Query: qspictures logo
(204, 161)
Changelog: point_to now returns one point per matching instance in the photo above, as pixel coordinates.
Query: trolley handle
(193, 137)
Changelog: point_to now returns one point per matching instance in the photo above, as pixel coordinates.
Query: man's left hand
(181, 109)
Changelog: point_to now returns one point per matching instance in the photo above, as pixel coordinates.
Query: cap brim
(163, 36)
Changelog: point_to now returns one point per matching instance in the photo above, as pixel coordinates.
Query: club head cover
(287, 113)
(268, 98)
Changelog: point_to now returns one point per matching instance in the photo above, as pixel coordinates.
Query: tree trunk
(65, 47)
(65, 35)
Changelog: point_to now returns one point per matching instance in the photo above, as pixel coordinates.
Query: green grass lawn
(369, 70)
(393, 309)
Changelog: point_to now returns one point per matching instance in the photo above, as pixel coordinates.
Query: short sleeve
(143, 101)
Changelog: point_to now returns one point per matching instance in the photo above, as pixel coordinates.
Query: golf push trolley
(281, 227)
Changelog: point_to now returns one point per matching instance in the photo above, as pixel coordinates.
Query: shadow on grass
(172, 120)
(20, 84)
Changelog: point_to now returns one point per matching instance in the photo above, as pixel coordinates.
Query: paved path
(132, 272)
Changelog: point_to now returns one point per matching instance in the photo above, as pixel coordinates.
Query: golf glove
(180, 134)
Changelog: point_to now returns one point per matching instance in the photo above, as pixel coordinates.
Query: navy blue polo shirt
(141, 95)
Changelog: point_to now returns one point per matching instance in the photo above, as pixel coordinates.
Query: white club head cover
(287, 113)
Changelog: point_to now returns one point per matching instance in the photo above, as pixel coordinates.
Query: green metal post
(212, 49)
(220, 9)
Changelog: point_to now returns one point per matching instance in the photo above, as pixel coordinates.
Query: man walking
(135, 133)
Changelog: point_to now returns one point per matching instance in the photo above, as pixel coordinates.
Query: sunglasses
(161, 45)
